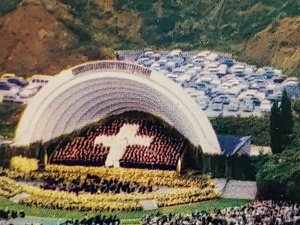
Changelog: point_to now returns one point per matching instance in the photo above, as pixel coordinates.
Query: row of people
(10, 214)
(94, 184)
(99, 219)
(255, 213)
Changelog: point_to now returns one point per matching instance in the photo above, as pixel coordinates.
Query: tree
(281, 124)
(296, 107)
(286, 122)
(295, 137)
(275, 133)
(278, 176)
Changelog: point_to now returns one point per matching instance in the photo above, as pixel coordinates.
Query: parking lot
(221, 85)
(15, 89)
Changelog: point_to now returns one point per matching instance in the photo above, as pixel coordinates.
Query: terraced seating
(163, 152)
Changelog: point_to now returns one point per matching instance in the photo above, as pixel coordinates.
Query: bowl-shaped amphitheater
(112, 135)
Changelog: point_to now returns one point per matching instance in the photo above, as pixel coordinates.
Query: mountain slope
(277, 45)
(53, 34)
(33, 40)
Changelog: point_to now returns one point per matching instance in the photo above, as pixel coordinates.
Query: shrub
(257, 127)
(23, 164)
(284, 43)
(278, 176)
(240, 167)
(79, 29)
(9, 188)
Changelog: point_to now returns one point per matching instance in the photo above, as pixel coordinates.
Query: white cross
(127, 136)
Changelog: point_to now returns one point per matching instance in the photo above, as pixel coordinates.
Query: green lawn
(126, 217)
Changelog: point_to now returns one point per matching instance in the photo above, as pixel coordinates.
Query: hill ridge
(97, 27)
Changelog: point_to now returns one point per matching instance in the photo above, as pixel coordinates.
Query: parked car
(233, 105)
(240, 74)
(217, 106)
(278, 80)
(225, 99)
(13, 98)
(30, 90)
(275, 97)
(256, 101)
(217, 100)
(4, 86)
(17, 81)
(203, 102)
(248, 105)
(203, 87)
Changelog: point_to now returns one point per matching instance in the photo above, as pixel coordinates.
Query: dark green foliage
(205, 23)
(278, 176)
(7, 6)
(189, 24)
(281, 125)
(240, 167)
(286, 120)
(275, 132)
(82, 9)
(79, 30)
(296, 107)
(283, 43)
(295, 137)
(154, 23)
(9, 117)
(292, 8)
(257, 127)
(296, 69)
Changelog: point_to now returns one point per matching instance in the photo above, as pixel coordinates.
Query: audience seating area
(255, 213)
(99, 219)
(163, 153)
(94, 185)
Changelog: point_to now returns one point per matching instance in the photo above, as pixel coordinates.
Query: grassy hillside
(277, 45)
(89, 26)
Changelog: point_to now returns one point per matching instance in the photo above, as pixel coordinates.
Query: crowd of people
(99, 219)
(163, 152)
(95, 184)
(255, 213)
(83, 151)
(6, 214)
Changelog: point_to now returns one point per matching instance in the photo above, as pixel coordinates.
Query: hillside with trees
(45, 36)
